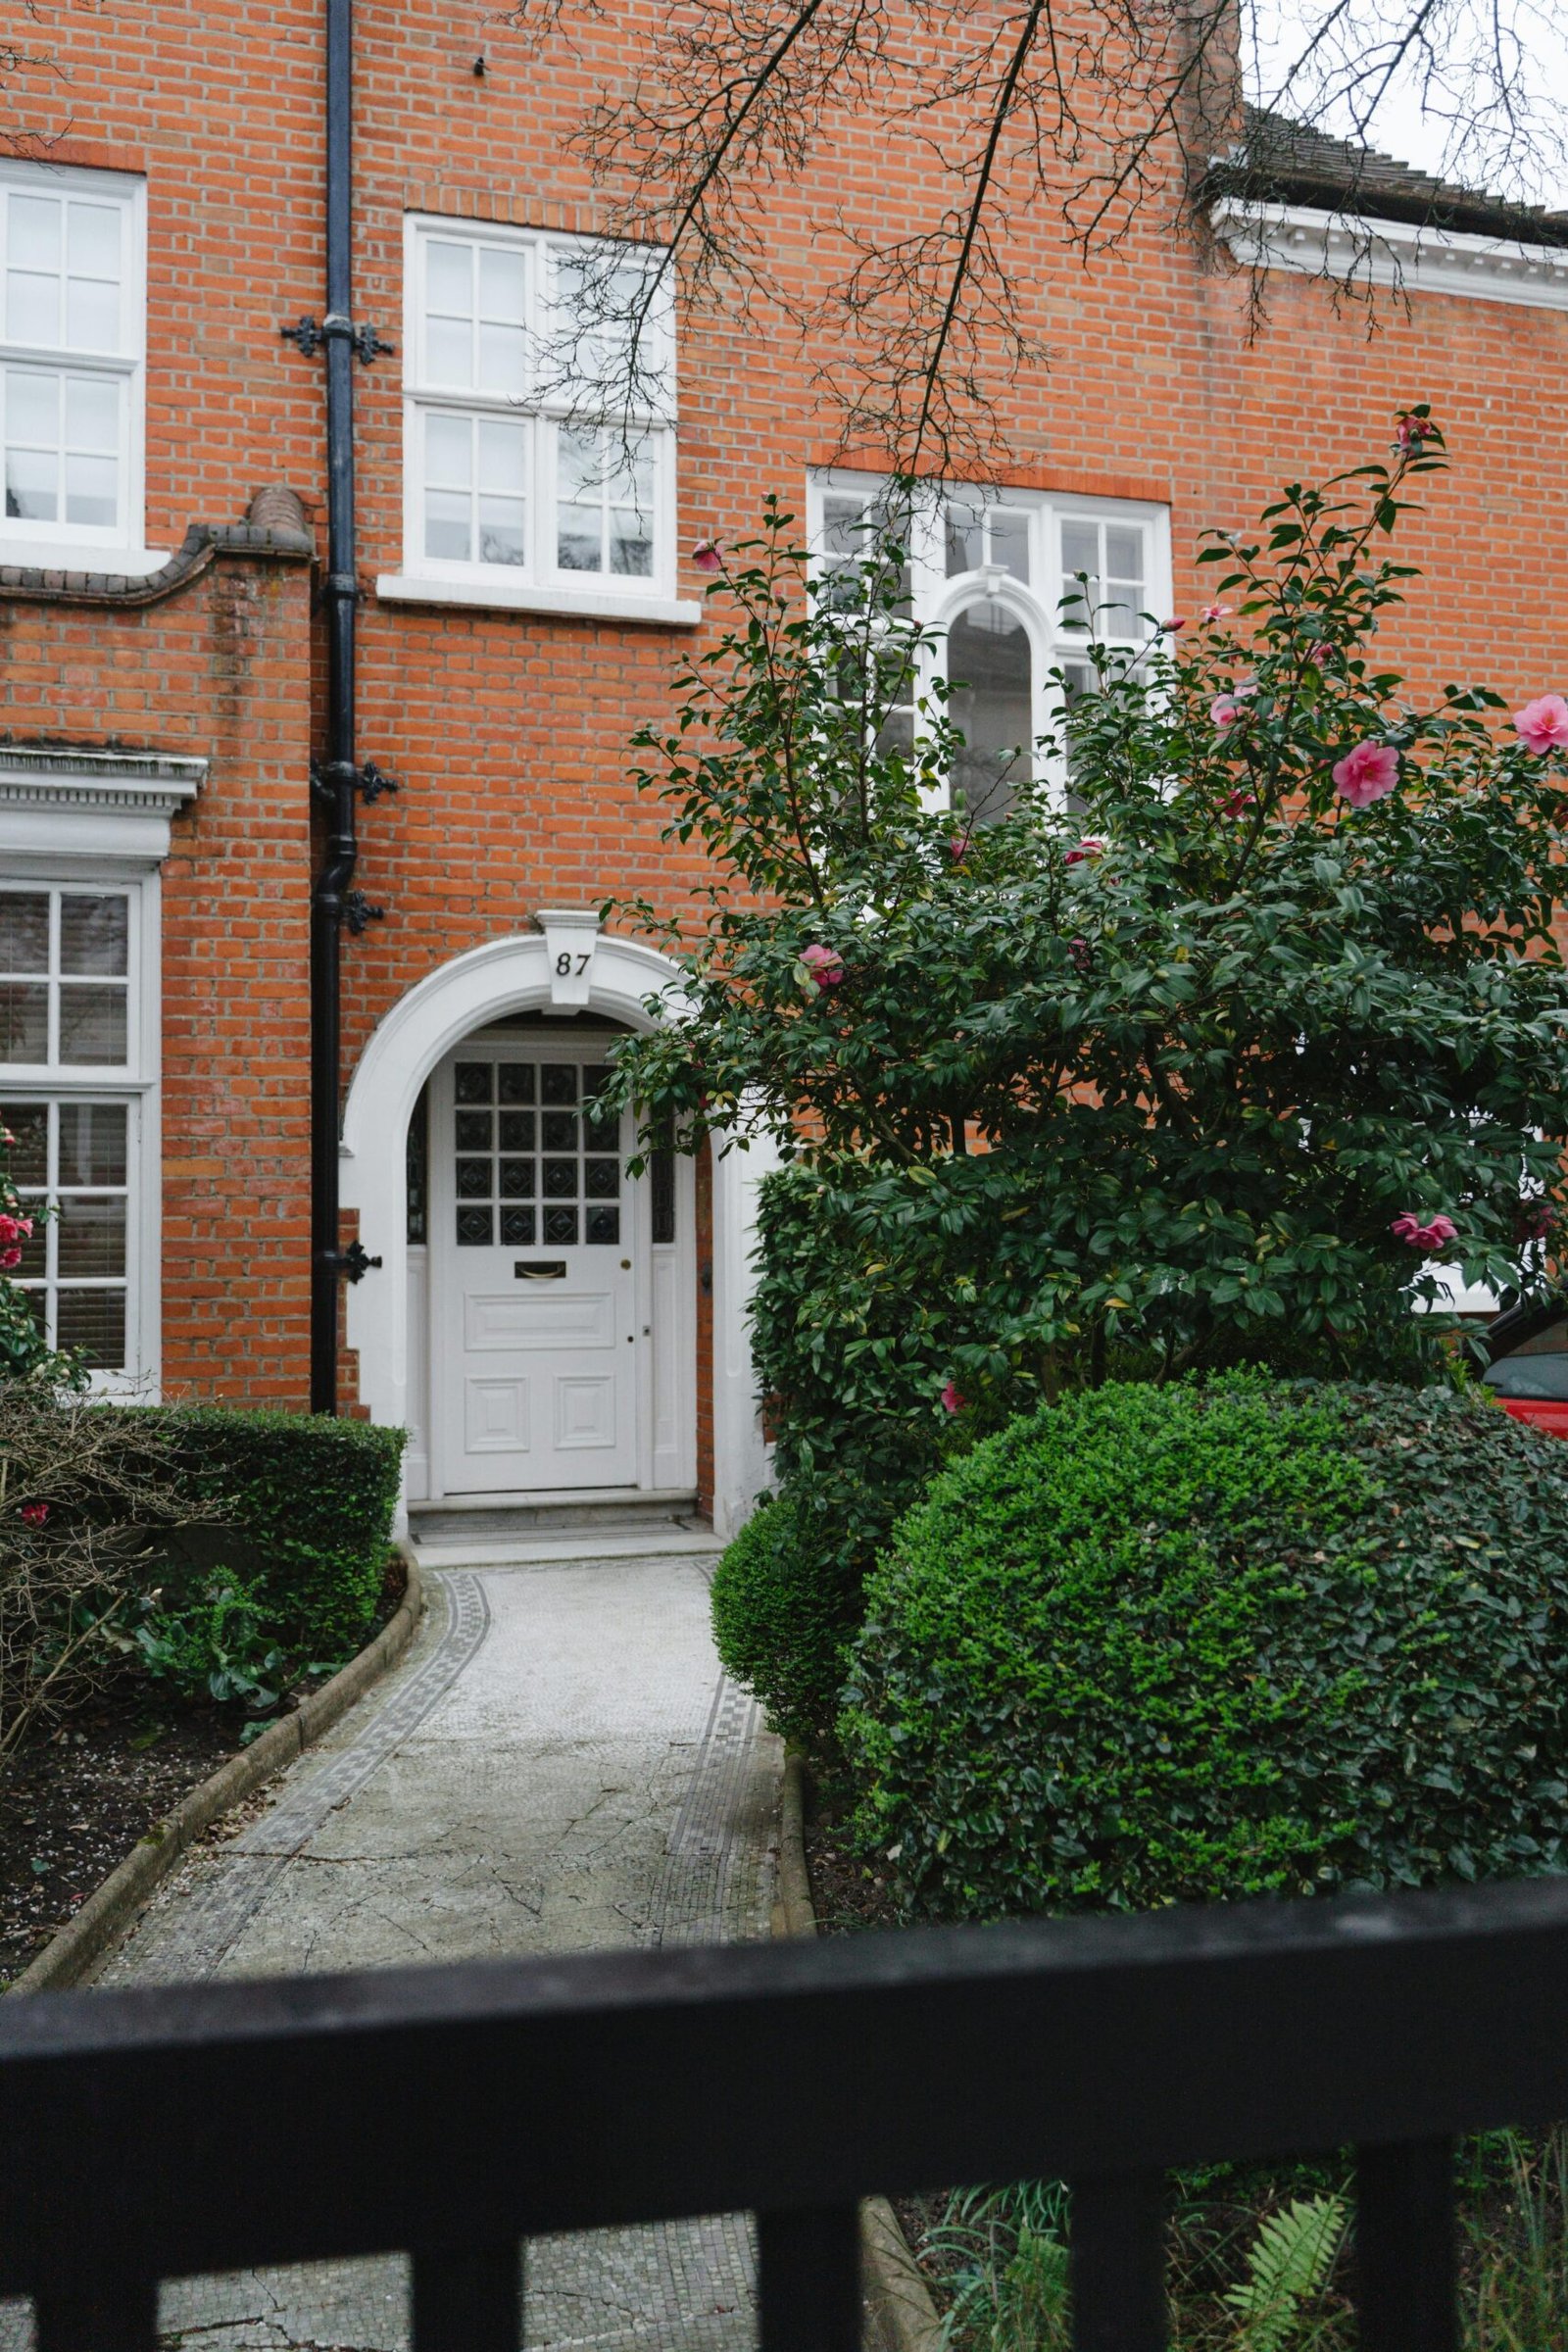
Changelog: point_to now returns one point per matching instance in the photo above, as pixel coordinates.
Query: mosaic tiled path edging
(558, 1764)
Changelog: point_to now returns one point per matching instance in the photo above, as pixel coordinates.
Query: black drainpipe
(337, 780)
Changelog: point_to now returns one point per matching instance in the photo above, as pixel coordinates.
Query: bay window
(1015, 586)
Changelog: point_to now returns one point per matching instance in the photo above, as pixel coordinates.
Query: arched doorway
(435, 1339)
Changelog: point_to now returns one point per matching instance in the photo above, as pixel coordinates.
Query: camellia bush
(1194, 1643)
(1215, 1060)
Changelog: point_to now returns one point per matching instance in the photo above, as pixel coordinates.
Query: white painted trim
(1415, 259)
(63, 803)
(512, 975)
(741, 1468)
(492, 591)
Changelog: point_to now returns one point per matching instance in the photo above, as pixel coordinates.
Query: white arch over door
(520, 974)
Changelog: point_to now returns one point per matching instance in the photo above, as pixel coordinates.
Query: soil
(82, 1791)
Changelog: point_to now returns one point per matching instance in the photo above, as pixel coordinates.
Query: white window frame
(539, 584)
(92, 546)
(135, 1083)
(937, 599)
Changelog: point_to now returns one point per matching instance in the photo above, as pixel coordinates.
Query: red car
(1529, 1368)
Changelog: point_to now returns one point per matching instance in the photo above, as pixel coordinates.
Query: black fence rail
(450, 2113)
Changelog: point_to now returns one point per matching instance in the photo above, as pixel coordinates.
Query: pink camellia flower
(1542, 725)
(1438, 1230)
(958, 846)
(1533, 1222)
(36, 1513)
(820, 968)
(1410, 432)
(1238, 804)
(1226, 709)
(1082, 953)
(1171, 628)
(1213, 612)
(708, 555)
(951, 1401)
(1367, 773)
(14, 1231)
(1091, 845)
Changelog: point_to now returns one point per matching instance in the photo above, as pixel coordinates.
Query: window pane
(631, 544)
(92, 1234)
(504, 459)
(23, 931)
(24, 1021)
(94, 234)
(577, 541)
(449, 452)
(502, 538)
(843, 526)
(92, 1023)
(93, 491)
(579, 464)
(33, 308)
(33, 408)
(449, 352)
(1009, 543)
(965, 540)
(502, 283)
(1124, 553)
(94, 1320)
(446, 525)
(449, 276)
(92, 1143)
(32, 486)
(28, 1124)
(92, 416)
(991, 705)
(34, 1264)
(503, 359)
(35, 239)
(92, 315)
(94, 933)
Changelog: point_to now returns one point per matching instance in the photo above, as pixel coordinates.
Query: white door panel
(539, 1360)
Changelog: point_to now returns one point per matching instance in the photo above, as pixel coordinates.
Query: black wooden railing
(448, 2114)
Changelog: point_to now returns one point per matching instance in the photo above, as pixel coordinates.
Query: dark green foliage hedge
(782, 1627)
(310, 1501)
(1189, 1643)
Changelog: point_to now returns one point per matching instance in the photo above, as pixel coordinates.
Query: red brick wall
(508, 730)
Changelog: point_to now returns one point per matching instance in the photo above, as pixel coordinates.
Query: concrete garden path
(557, 1765)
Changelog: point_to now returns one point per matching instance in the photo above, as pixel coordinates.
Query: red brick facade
(507, 728)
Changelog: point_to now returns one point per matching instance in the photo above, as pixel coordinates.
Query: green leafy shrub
(218, 1645)
(310, 1501)
(781, 1625)
(1171, 1644)
(1212, 1064)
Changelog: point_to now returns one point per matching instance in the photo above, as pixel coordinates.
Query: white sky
(1524, 157)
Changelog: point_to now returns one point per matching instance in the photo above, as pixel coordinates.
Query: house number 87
(566, 963)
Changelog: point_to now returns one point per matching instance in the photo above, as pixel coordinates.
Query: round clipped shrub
(1168, 1644)
(782, 1620)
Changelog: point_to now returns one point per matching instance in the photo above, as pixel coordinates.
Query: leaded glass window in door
(535, 1162)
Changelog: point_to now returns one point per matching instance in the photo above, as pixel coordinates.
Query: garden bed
(81, 1794)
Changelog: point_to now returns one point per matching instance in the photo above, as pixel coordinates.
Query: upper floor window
(70, 361)
(539, 441)
(1014, 584)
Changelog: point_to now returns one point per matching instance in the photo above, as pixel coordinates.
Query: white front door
(538, 1364)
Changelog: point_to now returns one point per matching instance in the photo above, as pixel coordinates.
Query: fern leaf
(1289, 2260)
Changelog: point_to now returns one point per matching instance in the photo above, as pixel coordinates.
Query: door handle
(539, 1269)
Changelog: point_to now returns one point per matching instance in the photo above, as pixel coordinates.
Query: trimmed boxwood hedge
(307, 1507)
(782, 1622)
(1159, 1644)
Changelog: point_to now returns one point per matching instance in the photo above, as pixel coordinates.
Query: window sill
(81, 556)
(563, 604)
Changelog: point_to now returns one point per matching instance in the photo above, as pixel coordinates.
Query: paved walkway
(557, 1765)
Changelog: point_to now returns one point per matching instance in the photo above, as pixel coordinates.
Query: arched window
(990, 672)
